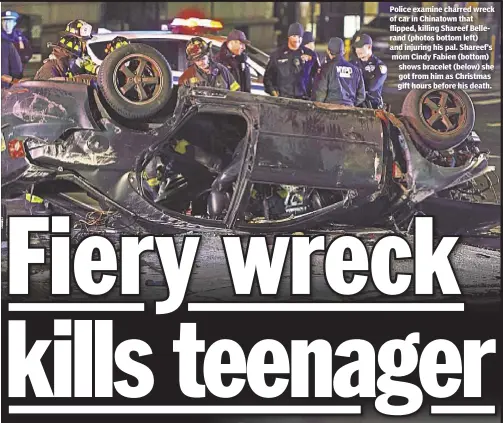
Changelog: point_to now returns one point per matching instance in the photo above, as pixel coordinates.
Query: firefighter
(233, 55)
(339, 81)
(203, 71)
(69, 56)
(15, 36)
(374, 70)
(63, 60)
(116, 43)
(291, 68)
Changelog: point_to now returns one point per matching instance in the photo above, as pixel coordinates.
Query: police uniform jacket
(375, 73)
(11, 62)
(339, 82)
(21, 44)
(291, 72)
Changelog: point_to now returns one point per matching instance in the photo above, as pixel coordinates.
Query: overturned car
(130, 147)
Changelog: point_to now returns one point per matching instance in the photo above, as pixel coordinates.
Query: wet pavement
(478, 270)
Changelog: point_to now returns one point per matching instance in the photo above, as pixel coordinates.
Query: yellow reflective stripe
(181, 146)
(254, 193)
(153, 182)
(235, 86)
(282, 193)
(33, 198)
(150, 181)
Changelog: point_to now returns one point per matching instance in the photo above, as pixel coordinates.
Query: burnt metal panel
(319, 147)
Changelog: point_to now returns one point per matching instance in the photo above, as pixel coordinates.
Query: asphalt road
(477, 270)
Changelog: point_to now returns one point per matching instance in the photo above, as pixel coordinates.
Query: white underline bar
(76, 307)
(185, 409)
(463, 409)
(235, 306)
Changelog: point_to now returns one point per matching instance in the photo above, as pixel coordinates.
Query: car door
(322, 147)
(332, 149)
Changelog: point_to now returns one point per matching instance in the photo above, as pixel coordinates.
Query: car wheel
(442, 118)
(136, 81)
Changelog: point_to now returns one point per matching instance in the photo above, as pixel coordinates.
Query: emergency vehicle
(171, 41)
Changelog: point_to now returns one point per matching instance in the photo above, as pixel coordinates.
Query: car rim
(442, 111)
(138, 79)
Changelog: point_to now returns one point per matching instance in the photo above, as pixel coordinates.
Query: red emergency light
(194, 25)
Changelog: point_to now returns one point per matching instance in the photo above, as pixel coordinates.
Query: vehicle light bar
(197, 23)
(16, 149)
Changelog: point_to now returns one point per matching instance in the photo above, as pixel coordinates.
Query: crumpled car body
(73, 142)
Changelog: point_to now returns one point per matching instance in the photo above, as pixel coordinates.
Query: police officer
(11, 61)
(292, 68)
(203, 71)
(14, 35)
(339, 82)
(233, 55)
(374, 70)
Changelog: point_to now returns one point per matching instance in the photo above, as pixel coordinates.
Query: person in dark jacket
(374, 70)
(233, 55)
(20, 42)
(339, 82)
(11, 62)
(291, 69)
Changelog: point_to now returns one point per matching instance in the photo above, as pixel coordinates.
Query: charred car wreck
(231, 161)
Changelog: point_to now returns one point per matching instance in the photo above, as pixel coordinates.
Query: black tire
(442, 119)
(119, 70)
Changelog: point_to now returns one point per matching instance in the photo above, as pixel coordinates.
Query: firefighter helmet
(116, 43)
(72, 44)
(79, 28)
(197, 48)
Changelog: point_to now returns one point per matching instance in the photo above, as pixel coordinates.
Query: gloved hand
(87, 64)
